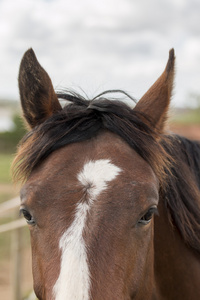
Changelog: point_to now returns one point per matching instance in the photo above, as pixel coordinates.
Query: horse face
(91, 206)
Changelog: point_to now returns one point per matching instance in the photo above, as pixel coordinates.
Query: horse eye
(27, 216)
(146, 219)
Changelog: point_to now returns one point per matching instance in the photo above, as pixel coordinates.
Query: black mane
(182, 195)
(81, 120)
(175, 160)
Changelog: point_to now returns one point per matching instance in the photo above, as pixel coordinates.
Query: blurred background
(88, 46)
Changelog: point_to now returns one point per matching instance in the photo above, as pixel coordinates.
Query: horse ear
(37, 95)
(155, 103)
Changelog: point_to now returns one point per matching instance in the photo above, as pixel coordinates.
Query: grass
(189, 117)
(7, 192)
(5, 165)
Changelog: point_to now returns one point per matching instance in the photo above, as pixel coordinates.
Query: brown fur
(126, 260)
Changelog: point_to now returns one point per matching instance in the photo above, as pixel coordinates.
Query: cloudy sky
(104, 44)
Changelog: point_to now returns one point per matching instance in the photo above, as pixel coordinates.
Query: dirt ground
(189, 131)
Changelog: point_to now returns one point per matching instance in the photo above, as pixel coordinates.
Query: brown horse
(96, 172)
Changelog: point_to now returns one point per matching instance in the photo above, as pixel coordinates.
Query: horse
(111, 197)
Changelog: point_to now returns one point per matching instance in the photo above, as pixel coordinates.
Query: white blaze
(73, 282)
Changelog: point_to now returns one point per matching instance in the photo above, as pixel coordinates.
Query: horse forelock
(82, 120)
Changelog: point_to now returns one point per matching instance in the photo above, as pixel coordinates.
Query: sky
(94, 45)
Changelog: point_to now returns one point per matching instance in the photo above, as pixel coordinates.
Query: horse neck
(177, 267)
(177, 264)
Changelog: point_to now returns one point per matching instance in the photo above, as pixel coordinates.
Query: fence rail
(12, 225)
(6, 207)
(9, 205)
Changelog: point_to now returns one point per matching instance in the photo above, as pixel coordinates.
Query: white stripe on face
(74, 279)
